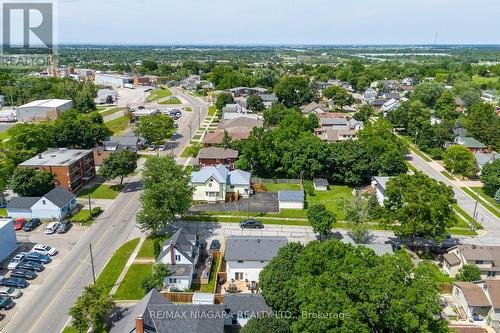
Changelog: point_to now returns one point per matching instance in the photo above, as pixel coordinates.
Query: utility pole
(90, 205)
(475, 211)
(92, 261)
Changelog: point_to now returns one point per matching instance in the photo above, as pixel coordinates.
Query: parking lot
(26, 240)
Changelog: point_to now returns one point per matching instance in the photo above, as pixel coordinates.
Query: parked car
(163, 147)
(251, 224)
(44, 249)
(215, 245)
(32, 225)
(13, 282)
(38, 257)
(6, 303)
(175, 125)
(152, 148)
(175, 134)
(63, 227)
(19, 224)
(51, 228)
(10, 292)
(23, 273)
(31, 265)
(14, 263)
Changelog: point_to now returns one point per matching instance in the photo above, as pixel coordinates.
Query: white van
(51, 228)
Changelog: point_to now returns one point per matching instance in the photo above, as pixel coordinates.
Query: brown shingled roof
(474, 294)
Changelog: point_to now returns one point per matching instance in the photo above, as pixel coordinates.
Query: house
(43, 110)
(487, 258)
(291, 199)
(213, 156)
(156, 314)
(335, 135)
(8, 239)
(217, 183)
(334, 129)
(246, 91)
(483, 159)
(314, 107)
(377, 103)
(246, 256)
(56, 205)
(378, 248)
(102, 153)
(238, 128)
(269, 100)
(390, 105)
(72, 167)
(181, 253)
(320, 184)
(391, 95)
(232, 111)
(472, 144)
(472, 300)
(242, 307)
(379, 184)
(459, 104)
(333, 123)
(369, 95)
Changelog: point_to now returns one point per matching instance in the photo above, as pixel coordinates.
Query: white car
(44, 249)
(10, 292)
(16, 261)
(51, 228)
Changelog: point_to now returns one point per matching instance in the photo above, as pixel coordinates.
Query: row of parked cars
(24, 266)
(32, 224)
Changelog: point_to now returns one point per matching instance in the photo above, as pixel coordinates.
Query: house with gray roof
(483, 159)
(472, 144)
(269, 100)
(291, 199)
(379, 184)
(217, 183)
(243, 307)
(246, 256)
(487, 258)
(181, 253)
(55, 205)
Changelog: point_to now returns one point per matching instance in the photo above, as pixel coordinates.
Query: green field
(111, 111)
(101, 191)
(467, 217)
(118, 125)
(3, 212)
(174, 100)
(334, 199)
(130, 287)
(272, 187)
(116, 264)
(188, 109)
(158, 94)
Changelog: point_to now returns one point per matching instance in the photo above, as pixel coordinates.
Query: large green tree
(30, 137)
(154, 128)
(294, 91)
(255, 103)
(321, 219)
(460, 160)
(428, 93)
(339, 95)
(167, 193)
(490, 176)
(483, 124)
(356, 215)
(267, 324)
(469, 273)
(27, 182)
(80, 130)
(419, 205)
(155, 280)
(120, 164)
(223, 99)
(91, 309)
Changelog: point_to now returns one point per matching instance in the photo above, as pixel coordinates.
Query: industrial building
(43, 110)
(73, 168)
(8, 240)
(112, 80)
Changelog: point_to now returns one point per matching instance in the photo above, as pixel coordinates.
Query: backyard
(130, 287)
(272, 187)
(118, 125)
(100, 191)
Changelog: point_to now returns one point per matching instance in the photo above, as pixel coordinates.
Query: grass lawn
(174, 100)
(334, 199)
(486, 204)
(485, 196)
(3, 211)
(212, 110)
(147, 249)
(188, 109)
(69, 329)
(210, 286)
(159, 93)
(81, 216)
(271, 187)
(411, 167)
(130, 288)
(447, 175)
(118, 125)
(111, 111)
(100, 192)
(467, 217)
(3, 136)
(437, 275)
(115, 265)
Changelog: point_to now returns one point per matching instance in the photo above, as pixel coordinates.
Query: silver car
(10, 292)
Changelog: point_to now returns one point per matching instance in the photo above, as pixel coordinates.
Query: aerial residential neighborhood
(264, 167)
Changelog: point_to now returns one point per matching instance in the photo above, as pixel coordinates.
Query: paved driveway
(259, 203)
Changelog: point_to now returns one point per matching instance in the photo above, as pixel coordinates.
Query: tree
(428, 93)
(167, 193)
(469, 273)
(84, 99)
(339, 95)
(445, 103)
(255, 103)
(154, 128)
(468, 91)
(294, 91)
(459, 160)
(497, 196)
(483, 124)
(313, 120)
(155, 280)
(417, 205)
(320, 219)
(366, 292)
(268, 324)
(356, 213)
(30, 137)
(27, 182)
(120, 164)
(80, 130)
(222, 100)
(490, 176)
(150, 65)
(226, 140)
(364, 113)
(91, 309)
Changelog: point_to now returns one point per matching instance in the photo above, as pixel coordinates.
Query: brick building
(73, 168)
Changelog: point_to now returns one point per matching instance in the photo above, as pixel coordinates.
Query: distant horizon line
(279, 45)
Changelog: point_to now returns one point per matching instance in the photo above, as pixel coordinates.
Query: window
(491, 274)
(209, 184)
(240, 261)
(173, 280)
(479, 262)
(177, 257)
(238, 276)
(262, 261)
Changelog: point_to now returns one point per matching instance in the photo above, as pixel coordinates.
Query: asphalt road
(48, 308)
(490, 222)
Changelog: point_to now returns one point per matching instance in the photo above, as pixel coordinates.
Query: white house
(269, 100)
(380, 184)
(55, 205)
(475, 299)
(291, 199)
(390, 105)
(8, 240)
(246, 256)
(486, 258)
(216, 183)
(181, 254)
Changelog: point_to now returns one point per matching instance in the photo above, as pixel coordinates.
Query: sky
(312, 22)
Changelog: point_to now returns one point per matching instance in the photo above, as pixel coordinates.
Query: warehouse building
(43, 110)
(8, 240)
(112, 80)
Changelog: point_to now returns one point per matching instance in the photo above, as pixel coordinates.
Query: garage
(291, 199)
(8, 240)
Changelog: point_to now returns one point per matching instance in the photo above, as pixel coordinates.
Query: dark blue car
(14, 282)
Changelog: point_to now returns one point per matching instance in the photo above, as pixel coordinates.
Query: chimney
(40, 156)
(139, 324)
(172, 253)
(489, 149)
